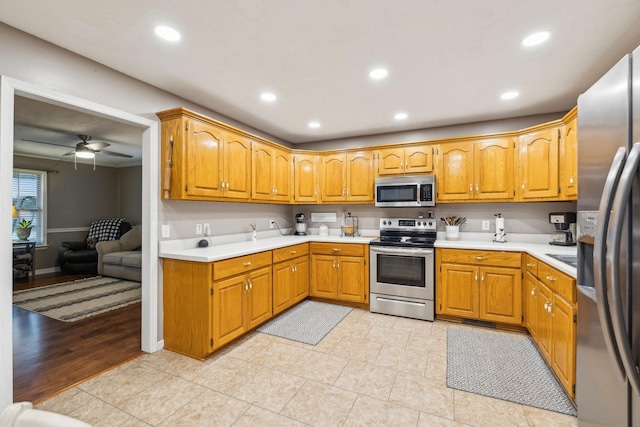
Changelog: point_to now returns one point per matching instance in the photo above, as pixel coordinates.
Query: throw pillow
(132, 239)
(106, 229)
(91, 242)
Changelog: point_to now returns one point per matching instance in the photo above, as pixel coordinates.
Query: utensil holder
(452, 232)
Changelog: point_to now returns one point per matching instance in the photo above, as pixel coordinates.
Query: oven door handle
(400, 251)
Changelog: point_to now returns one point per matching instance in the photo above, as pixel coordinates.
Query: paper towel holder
(500, 234)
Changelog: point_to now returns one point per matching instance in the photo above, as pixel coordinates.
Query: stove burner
(403, 232)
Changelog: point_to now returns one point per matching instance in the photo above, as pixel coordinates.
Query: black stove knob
(430, 223)
(384, 222)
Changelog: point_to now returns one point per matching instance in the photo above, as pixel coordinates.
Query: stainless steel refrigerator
(607, 376)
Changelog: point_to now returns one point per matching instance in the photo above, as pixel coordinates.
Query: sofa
(81, 257)
(122, 258)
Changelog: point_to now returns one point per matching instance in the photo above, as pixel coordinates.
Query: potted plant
(23, 229)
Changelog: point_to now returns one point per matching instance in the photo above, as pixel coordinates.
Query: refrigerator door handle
(599, 250)
(620, 203)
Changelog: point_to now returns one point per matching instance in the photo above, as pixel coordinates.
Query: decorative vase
(23, 233)
(255, 235)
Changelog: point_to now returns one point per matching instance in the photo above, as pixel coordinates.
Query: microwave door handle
(599, 250)
(620, 203)
(418, 194)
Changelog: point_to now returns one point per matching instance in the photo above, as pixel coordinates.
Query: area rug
(71, 301)
(308, 322)
(504, 366)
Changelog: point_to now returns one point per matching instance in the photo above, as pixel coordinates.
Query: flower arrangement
(253, 226)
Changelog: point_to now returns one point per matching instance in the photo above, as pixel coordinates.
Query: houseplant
(23, 229)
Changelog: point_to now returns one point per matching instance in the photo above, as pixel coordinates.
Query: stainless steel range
(402, 268)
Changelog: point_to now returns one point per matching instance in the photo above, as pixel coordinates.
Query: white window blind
(30, 201)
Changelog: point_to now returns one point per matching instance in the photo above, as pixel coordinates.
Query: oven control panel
(407, 224)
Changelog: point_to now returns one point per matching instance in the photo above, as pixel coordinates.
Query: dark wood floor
(50, 356)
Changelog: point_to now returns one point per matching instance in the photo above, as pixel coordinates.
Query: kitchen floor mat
(308, 322)
(505, 366)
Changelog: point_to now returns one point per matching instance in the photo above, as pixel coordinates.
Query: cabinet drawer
(233, 266)
(531, 264)
(557, 281)
(290, 252)
(347, 249)
(497, 258)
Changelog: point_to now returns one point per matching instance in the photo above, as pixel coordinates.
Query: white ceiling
(448, 60)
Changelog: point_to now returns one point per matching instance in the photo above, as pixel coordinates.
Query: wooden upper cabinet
(204, 159)
(405, 161)
(305, 178)
(455, 172)
(360, 177)
(493, 169)
(271, 173)
(333, 182)
(539, 164)
(237, 166)
(347, 177)
(569, 160)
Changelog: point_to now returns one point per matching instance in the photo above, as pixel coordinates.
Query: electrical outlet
(166, 231)
(198, 229)
(206, 229)
(272, 223)
(485, 225)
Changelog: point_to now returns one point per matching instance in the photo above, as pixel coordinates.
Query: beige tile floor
(371, 370)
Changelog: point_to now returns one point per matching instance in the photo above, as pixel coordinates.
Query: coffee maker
(301, 226)
(563, 235)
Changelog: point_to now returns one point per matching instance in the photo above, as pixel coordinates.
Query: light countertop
(186, 249)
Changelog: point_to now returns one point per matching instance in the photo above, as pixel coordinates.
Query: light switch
(166, 231)
(485, 225)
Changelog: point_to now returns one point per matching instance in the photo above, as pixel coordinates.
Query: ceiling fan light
(85, 154)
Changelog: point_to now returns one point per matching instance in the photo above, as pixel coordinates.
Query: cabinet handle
(571, 180)
(531, 265)
(550, 308)
(482, 278)
(479, 258)
(338, 264)
(295, 268)
(315, 191)
(470, 188)
(246, 286)
(222, 183)
(551, 278)
(336, 249)
(292, 270)
(523, 185)
(250, 284)
(292, 252)
(406, 164)
(334, 263)
(344, 191)
(276, 190)
(533, 292)
(246, 264)
(476, 187)
(546, 306)
(476, 278)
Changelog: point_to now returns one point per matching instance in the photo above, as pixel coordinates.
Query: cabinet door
(259, 297)
(531, 304)
(564, 342)
(262, 172)
(282, 175)
(539, 164)
(333, 186)
(282, 286)
(300, 283)
(418, 159)
(501, 295)
(204, 162)
(306, 178)
(455, 172)
(351, 279)
(360, 176)
(237, 166)
(493, 169)
(544, 321)
(324, 277)
(228, 309)
(459, 290)
(569, 164)
(391, 161)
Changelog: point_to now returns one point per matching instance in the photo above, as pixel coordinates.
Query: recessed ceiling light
(400, 116)
(269, 97)
(509, 95)
(167, 33)
(536, 38)
(378, 73)
(314, 125)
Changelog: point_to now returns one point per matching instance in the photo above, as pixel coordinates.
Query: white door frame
(9, 88)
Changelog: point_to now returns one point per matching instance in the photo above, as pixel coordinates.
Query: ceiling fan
(86, 149)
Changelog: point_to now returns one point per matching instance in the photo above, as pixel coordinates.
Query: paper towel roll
(499, 225)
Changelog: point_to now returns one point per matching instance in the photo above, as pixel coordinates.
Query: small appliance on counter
(563, 235)
(350, 225)
(323, 230)
(301, 226)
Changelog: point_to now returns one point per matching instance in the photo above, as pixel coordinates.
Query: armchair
(82, 257)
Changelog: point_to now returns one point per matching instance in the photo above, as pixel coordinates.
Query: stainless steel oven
(402, 269)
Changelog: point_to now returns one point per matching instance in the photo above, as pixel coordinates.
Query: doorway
(9, 88)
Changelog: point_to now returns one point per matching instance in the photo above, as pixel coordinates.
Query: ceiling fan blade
(96, 145)
(70, 153)
(112, 153)
(42, 142)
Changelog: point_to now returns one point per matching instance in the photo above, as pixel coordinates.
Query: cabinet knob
(551, 278)
(292, 252)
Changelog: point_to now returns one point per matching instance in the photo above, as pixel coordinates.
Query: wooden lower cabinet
(472, 284)
(339, 272)
(550, 316)
(290, 283)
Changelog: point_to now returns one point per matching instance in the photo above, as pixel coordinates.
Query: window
(29, 190)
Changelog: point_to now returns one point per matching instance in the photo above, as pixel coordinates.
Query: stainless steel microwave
(406, 191)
